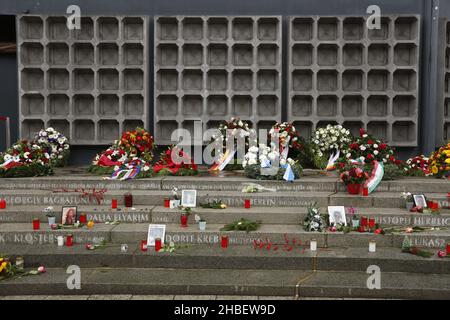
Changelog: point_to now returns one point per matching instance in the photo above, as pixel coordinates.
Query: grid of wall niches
(446, 115)
(212, 68)
(342, 72)
(90, 84)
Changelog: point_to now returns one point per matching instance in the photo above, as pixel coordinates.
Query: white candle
(372, 246)
(313, 245)
(60, 241)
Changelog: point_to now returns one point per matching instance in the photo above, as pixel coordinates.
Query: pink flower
(41, 269)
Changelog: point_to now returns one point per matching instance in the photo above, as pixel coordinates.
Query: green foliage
(392, 172)
(31, 170)
(254, 172)
(242, 225)
(305, 156)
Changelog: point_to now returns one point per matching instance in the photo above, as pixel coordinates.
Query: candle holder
(114, 204)
(184, 220)
(363, 222)
(447, 248)
(247, 204)
(128, 199)
(372, 246)
(158, 244)
(83, 218)
(365, 191)
(2, 204)
(20, 263)
(36, 224)
(313, 245)
(60, 241)
(124, 248)
(372, 223)
(224, 241)
(166, 203)
(69, 240)
(144, 245)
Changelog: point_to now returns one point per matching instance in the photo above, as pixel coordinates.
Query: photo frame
(173, 204)
(420, 200)
(337, 215)
(69, 215)
(189, 198)
(156, 231)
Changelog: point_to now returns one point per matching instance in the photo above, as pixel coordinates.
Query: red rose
(362, 132)
(382, 146)
(391, 158)
(370, 141)
(354, 146)
(369, 156)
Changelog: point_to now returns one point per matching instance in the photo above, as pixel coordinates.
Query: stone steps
(275, 215)
(342, 284)
(325, 182)
(235, 257)
(22, 233)
(231, 198)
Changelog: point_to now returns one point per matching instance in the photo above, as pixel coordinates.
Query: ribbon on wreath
(10, 164)
(223, 160)
(167, 162)
(104, 161)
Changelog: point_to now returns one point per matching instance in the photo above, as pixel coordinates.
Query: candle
(363, 222)
(69, 240)
(2, 204)
(19, 263)
(83, 218)
(143, 245)
(435, 205)
(184, 219)
(313, 245)
(224, 241)
(124, 248)
(158, 244)
(247, 204)
(128, 200)
(60, 241)
(166, 203)
(365, 191)
(372, 246)
(447, 248)
(36, 224)
(372, 223)
(114, 203)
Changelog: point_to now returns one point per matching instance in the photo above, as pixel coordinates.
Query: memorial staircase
(199, 266)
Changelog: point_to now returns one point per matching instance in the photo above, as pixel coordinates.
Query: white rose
(253, 149)
(375, 152)
(362, 148)
(145, 168)
(252, 161)
(364, 135)
(348, 155)
(375, 146)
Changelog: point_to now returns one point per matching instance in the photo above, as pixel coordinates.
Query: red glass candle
(114, 203)
(363, 222)
(184, 219)
(158, 244)
(2, 204)
(143, 245)
(36, 224)
(365, 191)
(224, 241)
(447, 248)
(372, 223)
(69, 240)
(83, 218)
(128, 200)
(435, 205)
(247, 204)
(166, 203)
(430, 204)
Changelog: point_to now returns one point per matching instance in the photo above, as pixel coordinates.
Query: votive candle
(83, 218)
(363, 221)
(114, 203)
(372, 246)
(247, 204)
(313, 245)
(184, 219)
(2, 204)
(143, 245)
(166, 203)
(36, 224)
(128, 200)
(365, 191)
(60, 241)
(158, 244)
(224, 241)
(372, 223)
(69, 240)
(447, 248)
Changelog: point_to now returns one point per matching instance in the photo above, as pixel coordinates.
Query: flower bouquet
(440, 161)
(314, 220)
(259, 163)
(25, 159)
(133, 150)
(327, 141)
(353, 176)
(417, 166)
(182, 166)
(286, 132)
(55, 144)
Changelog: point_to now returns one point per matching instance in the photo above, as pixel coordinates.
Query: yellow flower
(434, 169)
(90, 224)
(447, 160)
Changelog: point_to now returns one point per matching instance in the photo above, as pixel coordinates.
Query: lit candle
(128, 200)
(247, 204)
(69, 240)
(143, 245)
(19, 263)
(60, 241)
(224, 241)
(372, 246)
(114, 203)
(313, 245)
(158, 244)
(166, 203)
(36, 224)
(372, 223)
(2, 204)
